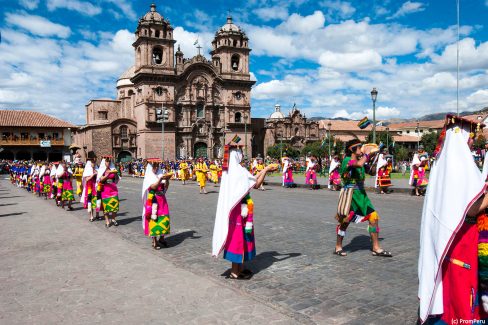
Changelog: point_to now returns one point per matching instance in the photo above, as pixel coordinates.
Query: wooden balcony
(29, 142)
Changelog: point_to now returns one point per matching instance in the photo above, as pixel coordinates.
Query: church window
(157, 34)
(235, 62)
(157, 55)
(199, 110)
(102, 115)
(237, 117)
(297, 132)
(123, 132)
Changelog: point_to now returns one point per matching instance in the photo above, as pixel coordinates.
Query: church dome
(153, 15)
(230, 26)
(277, 113)
(124, 79)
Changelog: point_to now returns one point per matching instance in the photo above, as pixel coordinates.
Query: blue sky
(324, 55)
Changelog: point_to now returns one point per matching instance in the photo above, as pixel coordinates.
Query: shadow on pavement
(264, 260)
(3, 205)
(11, 214)
(126, 221)
(358, 243)
(177, 239)
(9, 197)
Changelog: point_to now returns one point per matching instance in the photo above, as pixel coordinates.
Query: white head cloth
(87, 172)
(333, 165)
(236, 183)
(53, 171)
(60, 171)
(149, 178)
(101, 170)
(449, 196)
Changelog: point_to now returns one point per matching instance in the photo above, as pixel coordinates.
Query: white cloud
(408, 7)
(365, 60)
(470, 55)
(303, 24)
(29, 4)
(272, 13)
(83, 7)
(479, 97)
(38, 25)
(382, 112)
(186, 40)
(274, 89)
(341, 9)
(59, 77)
(126, 8)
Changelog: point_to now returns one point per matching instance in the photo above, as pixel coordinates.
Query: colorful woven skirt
(67, 193)
(110, 198)
(239, 246)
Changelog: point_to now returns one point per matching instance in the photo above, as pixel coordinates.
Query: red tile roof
(404, 138)
(340, 125)
(437, 124)
(31, 119)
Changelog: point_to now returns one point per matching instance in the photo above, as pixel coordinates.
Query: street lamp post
(418, 136)
(281, 145)
(329, 125)
(245, 134)
(161, 116)
(374, 95)
(387, 135)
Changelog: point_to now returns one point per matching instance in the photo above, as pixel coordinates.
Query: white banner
(45, 143)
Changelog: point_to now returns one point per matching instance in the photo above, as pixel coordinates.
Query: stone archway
(124, 156)
(55, 156)
(40, 155)
(7, 155)
(200, 150)
(23, 155)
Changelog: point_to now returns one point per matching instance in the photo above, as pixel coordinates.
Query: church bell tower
(154, 45)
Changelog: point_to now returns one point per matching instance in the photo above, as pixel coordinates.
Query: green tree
(479, 142)
(316, 149)
(382, 136)
(276, 150)
(401, 153)
(429, 141)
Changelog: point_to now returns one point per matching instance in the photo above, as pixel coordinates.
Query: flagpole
(457, 61)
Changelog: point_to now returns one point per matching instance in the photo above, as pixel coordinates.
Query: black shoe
(115, 223)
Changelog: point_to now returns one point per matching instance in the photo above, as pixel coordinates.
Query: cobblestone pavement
(295, 270)
(397, 183)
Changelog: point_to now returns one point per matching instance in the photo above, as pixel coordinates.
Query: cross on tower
(199, 47)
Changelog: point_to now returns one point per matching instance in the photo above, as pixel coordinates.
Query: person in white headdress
(383, 180)
(108, 178)
(155, 214)
(65, 177)
(54, 181)
(234, 221)
(452, 261)
(89, 194)
(334, 175)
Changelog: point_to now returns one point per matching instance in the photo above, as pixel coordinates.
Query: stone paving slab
(295, 271)
(59, 269)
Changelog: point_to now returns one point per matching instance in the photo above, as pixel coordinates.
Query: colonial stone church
(207, 101)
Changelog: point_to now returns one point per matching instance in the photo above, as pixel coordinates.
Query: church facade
(204, 102)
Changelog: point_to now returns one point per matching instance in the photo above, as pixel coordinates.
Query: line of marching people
(96, 186)
(45, 180)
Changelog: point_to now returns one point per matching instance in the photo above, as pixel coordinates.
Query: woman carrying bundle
(155, 217)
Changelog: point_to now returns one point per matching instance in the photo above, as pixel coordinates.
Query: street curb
(368, 189)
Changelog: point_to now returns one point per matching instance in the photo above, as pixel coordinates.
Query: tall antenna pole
(457, 61)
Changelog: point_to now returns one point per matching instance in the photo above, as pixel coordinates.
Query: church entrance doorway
(200, 150)
(124, 156)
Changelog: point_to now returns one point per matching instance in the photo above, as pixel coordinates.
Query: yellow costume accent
(78, 176)
(184, 172)
(201, 169)
(259, 168)
(214, 171)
